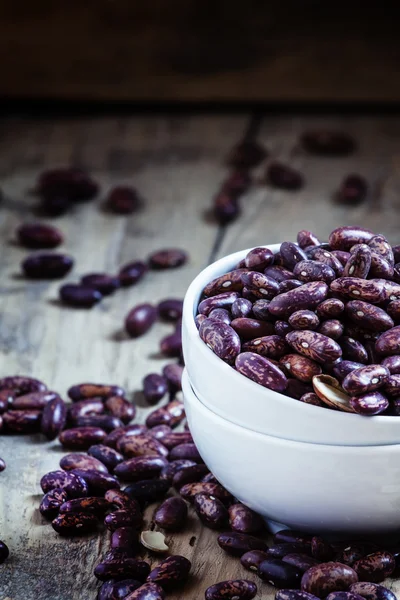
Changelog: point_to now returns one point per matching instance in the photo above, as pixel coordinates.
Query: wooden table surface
(177, 164)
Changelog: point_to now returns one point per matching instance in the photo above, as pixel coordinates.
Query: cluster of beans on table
(318, 322)
(116, 469)
(93, 286)
(250, 154)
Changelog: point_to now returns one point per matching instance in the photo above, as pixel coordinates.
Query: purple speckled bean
(244, 520)
(22, 385)
(328, 577)
(326, 257)
(354, 288)
(140, 319)
(258, 259)
(359, 263)
(307, 238)
(296, 389)
(332, 328)
(260, 310)
(79, 296)
(330, 308)
(342, 256)
(112, 438)
(221, 339)
(353, 350)
(155, 387)
(224, 300)
(279, 573)
(289, 284)
(105, 422)
(259, 284)
(84, 391)
(392, 363)
(375, 567)
(233, 589)
(308, 296)
(108, 456)
(278, 273)
(211, 511)
(311, 398)
(314, 345)
(199, 319)
(300, 367)
(371, 403)
(301, 561)
(220, 314)
(380, 267)
(261, 370)
(241, 308)
(282, 328)
(345, 367)
(381, 246)
(116, 590)
(71, 483)
(388, 342)
(372, 591)
(343, 238)
(171, 414)
(120, 408)
(271, 346)
(81, 461)
(249, 329)
(252, 559)
(51, 502)
(314, 270)
(102, 282)
(53, 418)
(167, 258)
(171, 515)
(141, 445)
(22, 421)
(170, 309)
(365, 379)
(237, 544)
(393, 310)
(291, 254)
(229, 282)
(368, 316)
(392, 386)
(303, 319)
(97, 482)
(132, 273)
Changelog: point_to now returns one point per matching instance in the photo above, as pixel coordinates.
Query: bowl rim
(190, 396)
(189, 312)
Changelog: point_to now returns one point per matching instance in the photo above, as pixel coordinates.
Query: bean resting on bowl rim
(321, 304)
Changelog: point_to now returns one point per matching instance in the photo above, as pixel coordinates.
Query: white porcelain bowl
(240, 400)
(319, 488)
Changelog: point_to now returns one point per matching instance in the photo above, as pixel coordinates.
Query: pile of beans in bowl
(318, 322)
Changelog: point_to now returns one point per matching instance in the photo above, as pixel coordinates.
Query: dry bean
(171, 514)
(368, 316)
(313, 270)
(51, 502)
(311, 398)
(220, 314)
(365, 379)
(353, 350)
(102, 282)
(294, 595)
(69, 524)
(125, 539)
(244, 520)
(82, 461)
(371, 290)
(258, 259)
(122, 500)
(170, 440)
(389, 342)
(189, 491)
(308, 296)
(109, 457)
(123, 200)
(81, 438)
(281, 549)
(22, 421)
(154, 387)
(380, 267)
(39, 235)
(289, 284)
(392, 386)
(221, 339)
(169, 471)
(88, 504)
(314, 345)
(375, 567)
(105, 422)
(147, 491)
(300, 367)
(371, 591)
(343, 596)
(122, 568)
(33, 401)
(187, 451)
(300, 561)
(328, 577)
(241, 308)
(225, 207)
(141, 445)
(261, 370)
(71, 483)
(330, 308)
(270, 346)
(211, 511)
(371, 403)
(345, 367)
(168, 258)
(85, 407)
(238, 544)
(147, 591)
(332, 328)
(79, 296)
(46, 265)
(259, 284)
(278, 272)
(98, 483)
(392, 363)
(170, 572)
(282, 328)
(132, 273)
(296, 388)
(342, 256)
(171, 345)
(53, 418)
(116, 590)
(224, 300)
(120, 408)
(307, 238)
(22, 385)
(83, 391)
(112, 438)
(229, 282)
(303, 319)
(171, 414)
(249, 329)
(190, 474)
(323, 255)
(279, 573)
(343, 238)
(140, 319)
(321, 549)
(72, 182)
(160, 431)
(173, 374)
(4, 552)
(350, 552)
(359, 263)
(140, 467)
(233, 589)
(123, 518)
(291, 535)
(252, 559)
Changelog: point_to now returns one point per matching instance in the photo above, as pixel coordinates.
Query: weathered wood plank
(176, 165)
(271, 215)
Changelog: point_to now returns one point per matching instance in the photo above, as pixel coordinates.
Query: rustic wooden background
(200, 50)
(177, 163)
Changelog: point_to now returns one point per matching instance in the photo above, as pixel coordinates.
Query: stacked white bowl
(298, 465)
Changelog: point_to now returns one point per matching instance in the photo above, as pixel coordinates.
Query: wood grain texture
(199, 51)
(177, 165)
